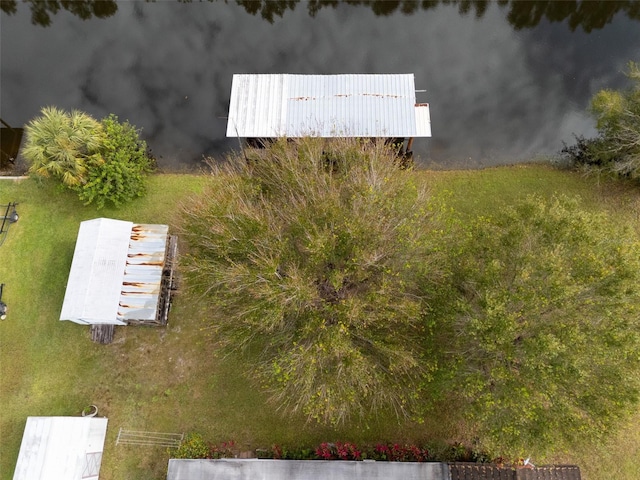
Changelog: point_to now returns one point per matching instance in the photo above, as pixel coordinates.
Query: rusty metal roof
(486, 471)
(284, 105)
(116, 272)
(143, 272)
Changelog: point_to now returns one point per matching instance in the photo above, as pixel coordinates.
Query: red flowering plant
(400, 453)
(277, 452)
(338, 451)
(223, 450)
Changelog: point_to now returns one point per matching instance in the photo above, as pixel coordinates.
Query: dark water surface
(499, 93)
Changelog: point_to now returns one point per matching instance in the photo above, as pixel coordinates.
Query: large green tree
(309, 254)
(617, 114)
(543, 320)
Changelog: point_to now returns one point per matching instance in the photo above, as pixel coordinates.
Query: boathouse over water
(351, 105)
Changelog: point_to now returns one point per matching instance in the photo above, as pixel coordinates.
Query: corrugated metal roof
(143, 273)
(423, 120)
(253, 468)
(116, 272)
(95, 278)
(61, 448)
(486, 471)
(283, 105)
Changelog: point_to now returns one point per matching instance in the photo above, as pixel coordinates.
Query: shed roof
(116, 272)
(61, 448)
(249, 469)
(354, 105)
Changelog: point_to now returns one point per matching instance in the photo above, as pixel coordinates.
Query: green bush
(120, 175)
(101, 161)
(193, 446)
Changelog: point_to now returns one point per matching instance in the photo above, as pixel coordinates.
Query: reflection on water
(505, 80)
(41, 10)
(520, 14)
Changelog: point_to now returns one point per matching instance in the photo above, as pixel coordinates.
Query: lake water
(499, 92)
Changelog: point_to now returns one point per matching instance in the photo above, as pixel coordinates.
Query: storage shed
(121, 274)
(61, 448)
(363, 105)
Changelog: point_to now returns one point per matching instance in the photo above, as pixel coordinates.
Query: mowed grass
(174, 379)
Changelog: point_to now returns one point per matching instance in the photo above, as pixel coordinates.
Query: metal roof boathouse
(121, 274)
(358, 105)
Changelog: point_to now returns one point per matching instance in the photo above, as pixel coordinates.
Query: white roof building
(61, 448)
(116, 274)
(250, 469)
(354, 105)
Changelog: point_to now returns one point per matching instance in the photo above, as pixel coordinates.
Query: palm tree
(62, 144)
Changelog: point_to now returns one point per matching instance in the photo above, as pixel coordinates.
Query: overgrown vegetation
(176, 379)
(616, 149)
(193, 446)
(311, 253)
(355, 293)
(103, 162)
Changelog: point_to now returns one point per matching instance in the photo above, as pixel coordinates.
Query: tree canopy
(120, 175)
(617, 114)
(588, 15)
(310, 251)
(354, 292)
(617, 147)
(544, 323)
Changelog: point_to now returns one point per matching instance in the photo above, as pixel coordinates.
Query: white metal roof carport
(116, 273)
(61, 448)
(350, 105)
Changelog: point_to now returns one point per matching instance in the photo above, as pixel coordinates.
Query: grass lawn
(173, 379)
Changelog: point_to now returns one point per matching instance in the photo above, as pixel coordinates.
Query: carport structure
(121, 274)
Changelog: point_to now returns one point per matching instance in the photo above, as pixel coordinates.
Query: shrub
(223, 450)
(394, 452)
(338, 451)
(120, 175)
(587, 152)
(101, 161)
(193, 446)
(63, 145)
